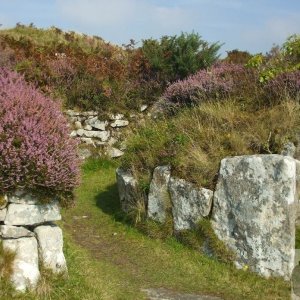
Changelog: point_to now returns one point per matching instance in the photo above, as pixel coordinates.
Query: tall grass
(195, 141)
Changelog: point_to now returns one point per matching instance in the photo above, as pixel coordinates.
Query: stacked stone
(92, 131)
(253, 210)
(27, 229)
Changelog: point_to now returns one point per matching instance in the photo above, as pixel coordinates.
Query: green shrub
(175, 57)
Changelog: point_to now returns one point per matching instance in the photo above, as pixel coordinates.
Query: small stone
(143, 107)
(113, 117)
(88, 127)
(50, 247)
(112, 141)
(114, 152)
(25, 267)
(96, 123)
(72, 113)
(73, 133)
(14, 232)
(80, 132)
(78, 125)
(119, 123)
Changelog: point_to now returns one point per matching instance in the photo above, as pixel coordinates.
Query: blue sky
(253, 25)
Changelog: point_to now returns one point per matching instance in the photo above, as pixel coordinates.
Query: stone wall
(103, 135)
(253, 208)
(27, 229)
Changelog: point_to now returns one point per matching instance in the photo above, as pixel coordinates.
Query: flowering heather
(36, 151)
(216, 82)
(283, 86)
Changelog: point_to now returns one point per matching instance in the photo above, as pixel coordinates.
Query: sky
(250, 25)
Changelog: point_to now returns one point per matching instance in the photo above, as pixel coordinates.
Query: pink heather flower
(36, 151)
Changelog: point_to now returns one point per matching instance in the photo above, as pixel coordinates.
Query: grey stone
(88, 127)
(14, 232)
(189, 203)
(3, 214)
(50, 246)
(127, 187)
(25, 269)
(89, 113)
(84, 153)
(143, 107)
(159, 198)
(102, 135)
(72, 113)
(96, 123)
(289, 149)
(119, 123)
(73, 133)
(22, 197)
(23, 214)
(114, 152)
(254, 212)
(114, 117)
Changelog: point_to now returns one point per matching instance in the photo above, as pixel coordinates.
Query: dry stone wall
(101, 135)
(27, 229)
(253, 210)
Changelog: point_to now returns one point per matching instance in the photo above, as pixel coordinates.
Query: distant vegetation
(89, 73)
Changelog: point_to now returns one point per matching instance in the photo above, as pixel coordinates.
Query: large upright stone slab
(189, 203)
(159, 198)
(25, 269)
(254, 212)
(23, 214)
(50, 246)
(127, 187)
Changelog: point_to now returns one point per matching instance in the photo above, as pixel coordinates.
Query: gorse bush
(36, 152)
(175, 57)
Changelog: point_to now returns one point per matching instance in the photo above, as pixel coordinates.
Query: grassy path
(129, 261)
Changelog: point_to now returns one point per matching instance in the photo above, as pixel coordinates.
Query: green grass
(196, 140)
(109, 259)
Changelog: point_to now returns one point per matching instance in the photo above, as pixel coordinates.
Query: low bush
(36, 152)
(218, 82)
(175, 57)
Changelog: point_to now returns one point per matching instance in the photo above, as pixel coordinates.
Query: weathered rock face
(23, 214)
(159, 198)
(189, 203)
(127, 187)
(50, 246)
(26, 265)
(254, 212)
(22, 197)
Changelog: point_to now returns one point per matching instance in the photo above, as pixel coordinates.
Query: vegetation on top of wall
(36, 151)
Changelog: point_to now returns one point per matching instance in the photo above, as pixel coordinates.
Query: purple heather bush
(284, 86)
(36, 152)
(215, 83)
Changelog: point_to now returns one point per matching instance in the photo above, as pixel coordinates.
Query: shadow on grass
(108, 201)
